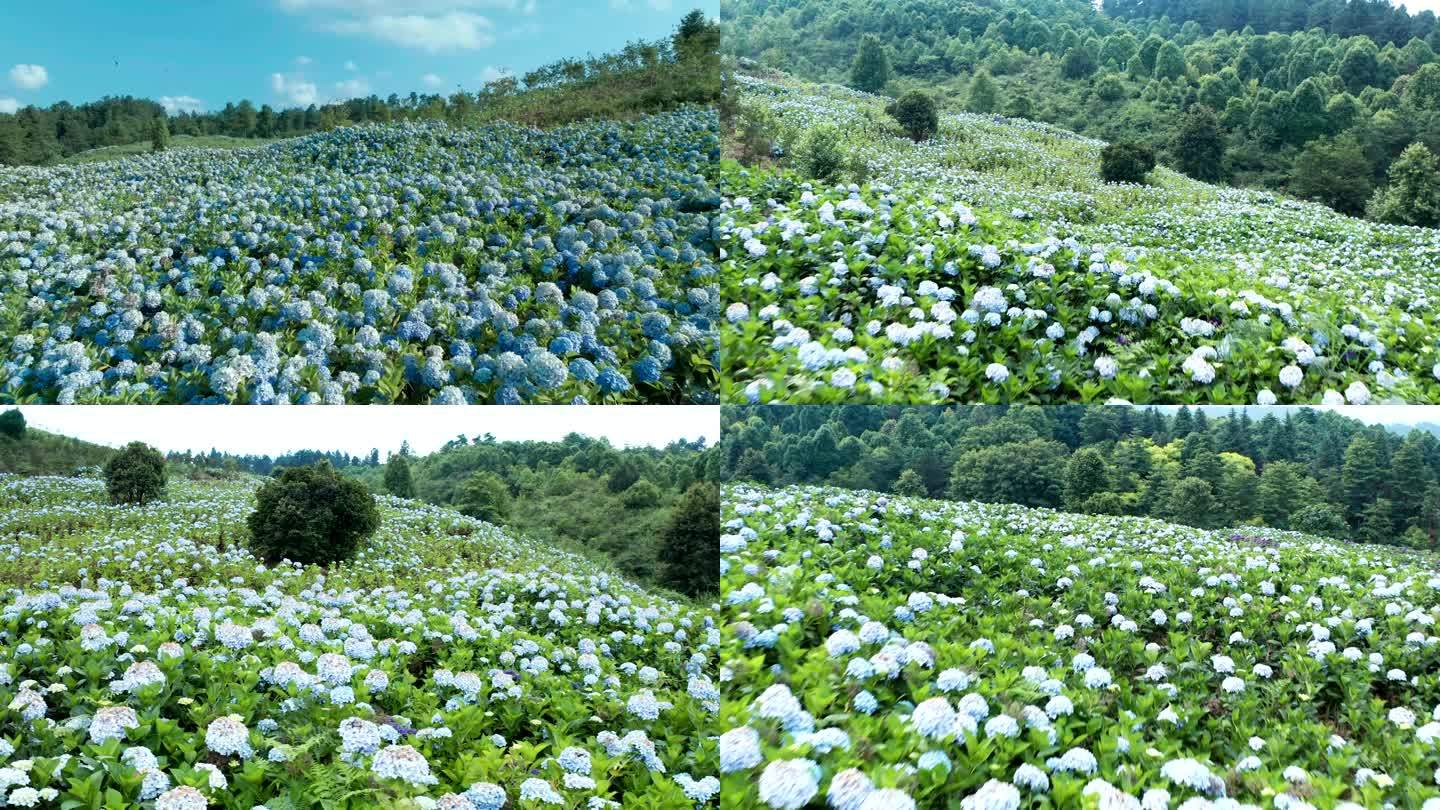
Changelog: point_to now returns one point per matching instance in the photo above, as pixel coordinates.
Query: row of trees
(1280, 105)
(1302, 469)
(1379, 20)
(643, 76)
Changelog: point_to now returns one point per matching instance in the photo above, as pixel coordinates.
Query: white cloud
(179, 104)
(492, 73)
(457, 30)
(431, 80)
(29, 77)
(9, 105)
(357, 428)
(352, 88)
(302, 61)
(351, 66)
(295, 89)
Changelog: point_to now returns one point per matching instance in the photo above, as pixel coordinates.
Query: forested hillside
(642, 77)
(1317, 100)
(1300, 469)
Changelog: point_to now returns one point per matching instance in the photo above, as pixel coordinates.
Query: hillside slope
(991, 263)
(906, 648)
(447, 660)
(41, 453)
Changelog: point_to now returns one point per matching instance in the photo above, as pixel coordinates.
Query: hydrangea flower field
(150, 661)
(888, 653)
(991, 264)
(407, 263)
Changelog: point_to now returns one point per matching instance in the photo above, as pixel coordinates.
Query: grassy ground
(176, 142)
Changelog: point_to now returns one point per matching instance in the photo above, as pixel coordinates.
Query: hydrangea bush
(407, 263)
(148, 660)
(992, 264)
(889, 653)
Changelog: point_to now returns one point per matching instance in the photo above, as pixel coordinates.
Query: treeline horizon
(641, 77)
(1322, 112)
(1303, 469)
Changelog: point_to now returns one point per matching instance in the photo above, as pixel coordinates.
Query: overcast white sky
(1370, 414)
(273, 430)
(1417, 6)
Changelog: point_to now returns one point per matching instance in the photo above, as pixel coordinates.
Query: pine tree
(397, 475)
(690, 543)
(1085, 475)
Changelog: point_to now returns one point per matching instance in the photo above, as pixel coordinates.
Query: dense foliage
(150, 660)
(893, 652)
(1349, 479)
(12, 424)
(642, 77)
(1126, 162)
(569, 265)
(1280, 76)
(992, 263)
(136, 475)
(37, 452)
(311, 516)
(689, 544)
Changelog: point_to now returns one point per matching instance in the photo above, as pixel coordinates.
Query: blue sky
(199, 54)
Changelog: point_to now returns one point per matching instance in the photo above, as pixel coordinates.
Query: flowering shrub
(409, 263)
(148, 660)
(991, 263)
(890, 652)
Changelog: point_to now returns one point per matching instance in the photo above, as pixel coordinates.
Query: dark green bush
(12, 424)
(1126, 162)
(136, 475)
(917, 114)
(311, 515)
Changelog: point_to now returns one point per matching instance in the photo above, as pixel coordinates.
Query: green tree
(1319, 519)
(12, 424)
(398, 481)
(1423, 89)
(1408, 479)
(690, 542)
(1199, 145)
(871, 70)
(1192, 502)
(484, 496)
(1079, 63)
(910, 484)
(1126, 162)
(1377, 524)
(311, 515)
(752, 467)
(1413, 196)
(917, 115)
(1360, 66)
(1085, 475)
(1361, 476)
(1169, 62)
(983, 95)
(136, 475)
(159, 134)
(1027, 473)
(1276, 493)
(1333, 171)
